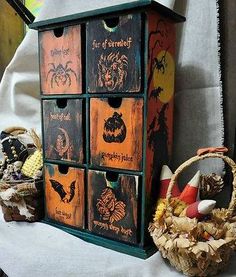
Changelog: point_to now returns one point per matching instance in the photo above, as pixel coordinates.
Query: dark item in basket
(12, 148)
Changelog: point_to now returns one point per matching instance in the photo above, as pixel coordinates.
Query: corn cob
(34, 162)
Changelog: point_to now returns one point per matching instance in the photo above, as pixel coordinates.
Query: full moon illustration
(165, 80)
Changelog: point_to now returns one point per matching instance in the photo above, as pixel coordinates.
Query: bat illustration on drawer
(64, 191)
(66, 197)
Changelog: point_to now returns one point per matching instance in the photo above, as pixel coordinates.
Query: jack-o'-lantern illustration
(114, 129)
(109, 208)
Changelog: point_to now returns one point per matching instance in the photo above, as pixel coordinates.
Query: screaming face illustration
(114, 129)
(109, 208)
(61, 75)
(112, 71)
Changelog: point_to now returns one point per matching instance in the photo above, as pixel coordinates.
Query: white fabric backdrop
(40, 250)
(198, 112)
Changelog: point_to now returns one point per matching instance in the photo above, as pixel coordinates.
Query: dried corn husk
(197, 248)
(12, 195)
(197, 258)
(34, 162)
(220, 215)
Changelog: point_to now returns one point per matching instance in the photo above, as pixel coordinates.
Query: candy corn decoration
(165, 177)
(199, 209)
(190, 192)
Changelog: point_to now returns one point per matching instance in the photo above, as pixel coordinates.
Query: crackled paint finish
(64, 195)
(63, 130)
(114, 54)
(160, 89)
(116, 133)
(60, 61)
(113, 206)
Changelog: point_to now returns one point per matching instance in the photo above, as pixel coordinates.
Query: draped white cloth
(40, 250)
(198, 111)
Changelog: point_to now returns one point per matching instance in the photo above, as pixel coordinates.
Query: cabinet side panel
(160, 89)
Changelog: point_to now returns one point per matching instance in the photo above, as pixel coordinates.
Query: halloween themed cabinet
(107, 85)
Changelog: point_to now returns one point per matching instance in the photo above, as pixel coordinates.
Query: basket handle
(203, 154)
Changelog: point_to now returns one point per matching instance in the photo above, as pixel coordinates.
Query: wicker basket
(22, 201)
(22, 198)
(180, 240)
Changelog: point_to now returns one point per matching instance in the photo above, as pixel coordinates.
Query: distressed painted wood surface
(113, 206)
(116, 133)
(64, 195)
(63, 130)
(114, 54)
(60, 61)
(118, 209)
(160, 86)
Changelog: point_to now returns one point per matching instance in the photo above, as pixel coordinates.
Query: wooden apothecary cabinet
(107, 86)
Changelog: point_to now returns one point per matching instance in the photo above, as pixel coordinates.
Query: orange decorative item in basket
(197, 248)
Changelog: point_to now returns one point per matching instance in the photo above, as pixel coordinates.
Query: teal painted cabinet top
(98, 8)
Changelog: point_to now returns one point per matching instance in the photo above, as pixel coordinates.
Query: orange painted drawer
(64, 194)
(114, 54)
(116, 130)
(60, 60)
(113, 205)
(63, 129)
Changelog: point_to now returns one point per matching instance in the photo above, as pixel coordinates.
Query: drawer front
(60, 60)
(64, 193)
(63, 129)
(113, 206)
(116, 133)
(114, 54)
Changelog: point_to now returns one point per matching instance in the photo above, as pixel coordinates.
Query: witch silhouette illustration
(158, 142)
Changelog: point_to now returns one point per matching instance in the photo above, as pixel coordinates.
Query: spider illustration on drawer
(61, 75)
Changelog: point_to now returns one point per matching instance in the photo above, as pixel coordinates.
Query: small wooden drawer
(113, 205)
(116, 132)
(60, 60)
(63, 129)
(64, 194)
(114, 54)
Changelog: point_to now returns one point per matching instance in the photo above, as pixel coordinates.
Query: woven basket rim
(229, 161)
(193, 256)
